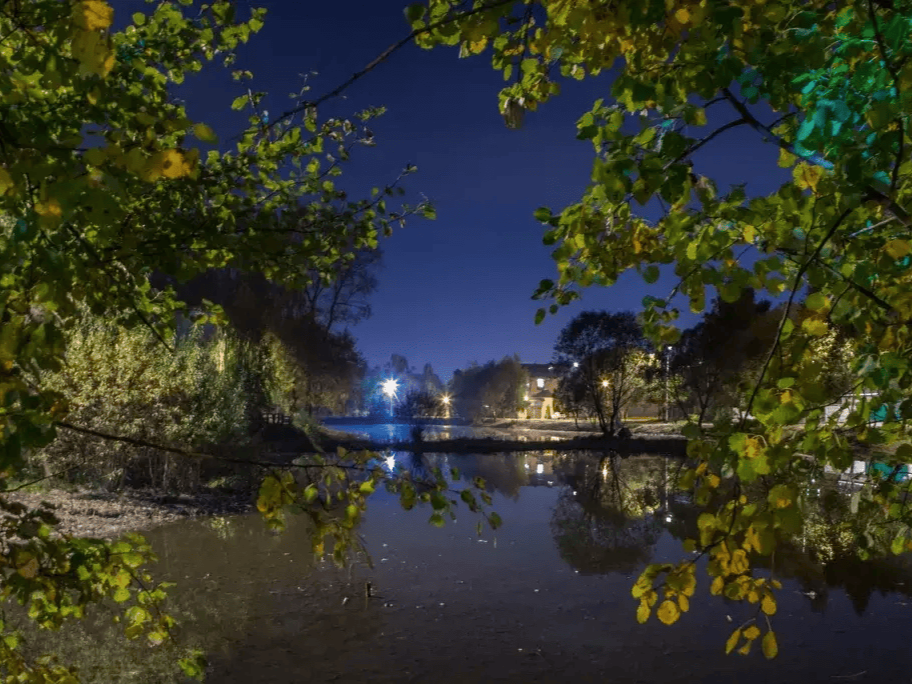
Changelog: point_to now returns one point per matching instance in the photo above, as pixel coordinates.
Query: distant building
(540, 389)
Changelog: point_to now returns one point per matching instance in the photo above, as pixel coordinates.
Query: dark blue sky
(457, 289)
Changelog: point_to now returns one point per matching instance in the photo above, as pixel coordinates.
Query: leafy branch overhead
(828, 86)
(107, 183)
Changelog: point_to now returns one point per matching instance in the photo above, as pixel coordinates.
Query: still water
(401, 432)
(546, 598)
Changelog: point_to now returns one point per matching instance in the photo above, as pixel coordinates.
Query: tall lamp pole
(666, 360)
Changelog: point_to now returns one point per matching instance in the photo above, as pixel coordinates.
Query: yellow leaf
(746, 648)
(28, 569)
(897, 249)
(749, 233)
(753, 596)
(683, 603)
(682, 15)
(6, 181)
(814, 327)
(167, 163)
(807, 176)
(752, 632)
(739, 562)
(718, 585)
(770, 648)
(49, 212)
(733, 641)
(93, 14)
(786, 158)
(204, 133)
(643, 613)
(690, 584)
(768, 605)
(93, 52)
(753, 447)
(668, 613)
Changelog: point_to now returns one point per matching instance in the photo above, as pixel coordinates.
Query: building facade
(540, 389)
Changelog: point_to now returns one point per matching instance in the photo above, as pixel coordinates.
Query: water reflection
(604, 519)
(550, 602)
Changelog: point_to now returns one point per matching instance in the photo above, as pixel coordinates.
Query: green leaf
(543, 214)
(815, 301)
(121, 594)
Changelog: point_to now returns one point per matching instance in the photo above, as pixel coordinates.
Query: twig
(382, 57)
(785, 314)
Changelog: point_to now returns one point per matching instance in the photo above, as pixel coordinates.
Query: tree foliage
(493, 390)
(836, 235)
(122, 381)
(607, 352)
(103, 185)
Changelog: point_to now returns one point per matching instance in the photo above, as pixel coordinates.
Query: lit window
(540, 382)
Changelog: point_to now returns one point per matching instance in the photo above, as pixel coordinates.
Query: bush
(125, 382)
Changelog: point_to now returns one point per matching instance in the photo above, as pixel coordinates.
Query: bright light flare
(390, 387)
(446, 398)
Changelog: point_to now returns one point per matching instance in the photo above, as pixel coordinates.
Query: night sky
(457, 289)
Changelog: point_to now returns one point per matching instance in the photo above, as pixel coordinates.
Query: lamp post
(390, 387)
(666, 364)
(446, 402)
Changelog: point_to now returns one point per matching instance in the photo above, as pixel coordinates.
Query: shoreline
(102, 514)
(109, 515)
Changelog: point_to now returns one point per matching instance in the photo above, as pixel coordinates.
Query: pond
(546, 598)
(401, 432)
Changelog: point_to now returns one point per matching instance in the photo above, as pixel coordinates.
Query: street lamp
(390, 387)
(666, 360)
(446, 399)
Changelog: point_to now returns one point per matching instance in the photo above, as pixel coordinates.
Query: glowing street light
(390, 387)
(446, 399)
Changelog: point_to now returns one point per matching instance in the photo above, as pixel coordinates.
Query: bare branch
(383, 56)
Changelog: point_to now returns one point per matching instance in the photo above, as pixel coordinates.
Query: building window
(540, 382)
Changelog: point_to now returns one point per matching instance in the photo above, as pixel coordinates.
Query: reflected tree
(603, 519)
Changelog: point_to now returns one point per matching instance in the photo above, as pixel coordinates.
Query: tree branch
(872, 192)
(383, 56)
(785, 314)
(696, 146)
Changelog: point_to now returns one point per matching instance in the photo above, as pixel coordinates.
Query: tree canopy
(829, 85)
(106, 186)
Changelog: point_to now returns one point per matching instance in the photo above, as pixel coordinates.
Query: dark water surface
(544, 599)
